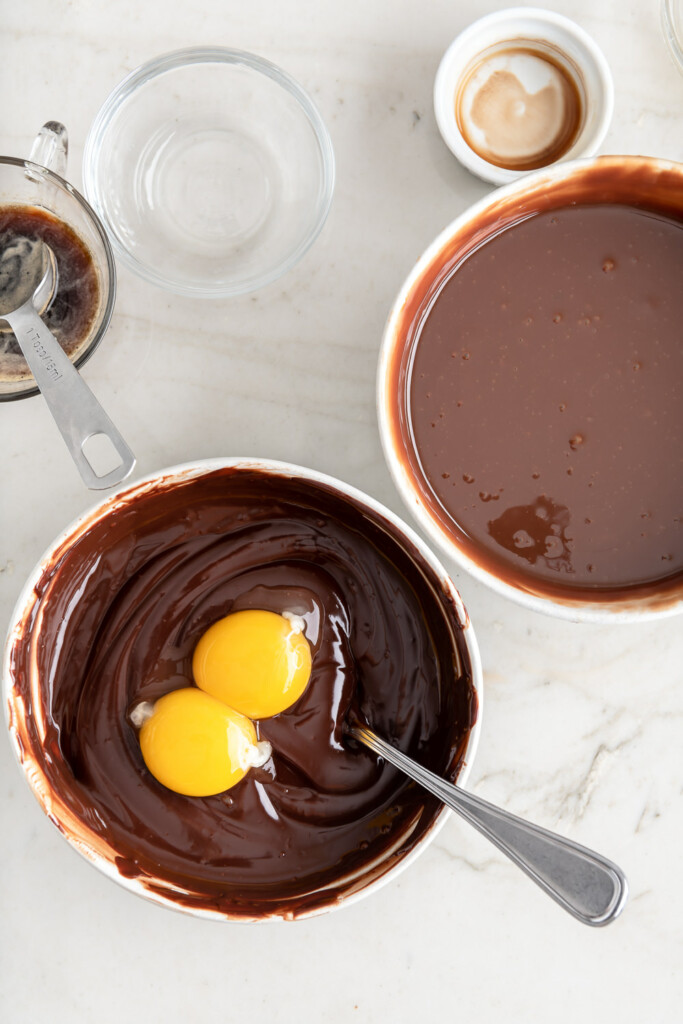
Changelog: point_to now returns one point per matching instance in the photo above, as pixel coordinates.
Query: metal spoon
(74, 408)
(585, 883)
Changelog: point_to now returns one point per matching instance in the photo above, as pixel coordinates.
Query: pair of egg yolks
(201, 740)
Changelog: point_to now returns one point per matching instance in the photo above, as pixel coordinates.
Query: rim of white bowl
(176, 59)
(586, 144)
(187, 471)
(599, 611)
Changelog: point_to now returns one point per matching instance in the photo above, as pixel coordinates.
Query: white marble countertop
(582, 728)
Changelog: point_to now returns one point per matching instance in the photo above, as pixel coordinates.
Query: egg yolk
(198, 746)
(257, 662)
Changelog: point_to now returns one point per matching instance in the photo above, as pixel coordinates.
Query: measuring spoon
(79, 416)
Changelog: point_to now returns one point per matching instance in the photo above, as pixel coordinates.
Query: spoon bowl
(28, 268)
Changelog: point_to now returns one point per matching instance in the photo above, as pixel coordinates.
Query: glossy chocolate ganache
(115, 620)
(541, 388)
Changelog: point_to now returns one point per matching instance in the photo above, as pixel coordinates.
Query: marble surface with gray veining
(583, 725)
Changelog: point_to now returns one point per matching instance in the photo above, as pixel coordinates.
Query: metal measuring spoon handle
(74, 408)
(585, 883)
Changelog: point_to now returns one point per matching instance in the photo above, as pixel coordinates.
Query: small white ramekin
(77, 832)
(518, 25)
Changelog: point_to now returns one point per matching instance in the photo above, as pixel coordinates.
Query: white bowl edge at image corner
(189, 470)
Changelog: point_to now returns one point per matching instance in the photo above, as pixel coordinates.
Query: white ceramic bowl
(212, 170)
(535, 26)
(28, 611)
(505, 205)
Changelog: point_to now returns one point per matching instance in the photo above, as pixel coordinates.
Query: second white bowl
(522, 26)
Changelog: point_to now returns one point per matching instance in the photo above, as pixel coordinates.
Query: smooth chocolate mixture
(116, 620)
(74, 307)
(545, 400)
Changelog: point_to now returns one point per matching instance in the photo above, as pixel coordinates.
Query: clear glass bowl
(212, 170)
(25, 183)
(672, 25)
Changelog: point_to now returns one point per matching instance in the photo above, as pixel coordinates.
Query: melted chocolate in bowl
(535, 389)
(113, 619)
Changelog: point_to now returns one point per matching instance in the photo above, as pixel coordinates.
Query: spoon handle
(586, 884)
(74, 408)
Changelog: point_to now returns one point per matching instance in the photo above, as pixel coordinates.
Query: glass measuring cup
(38, 184)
